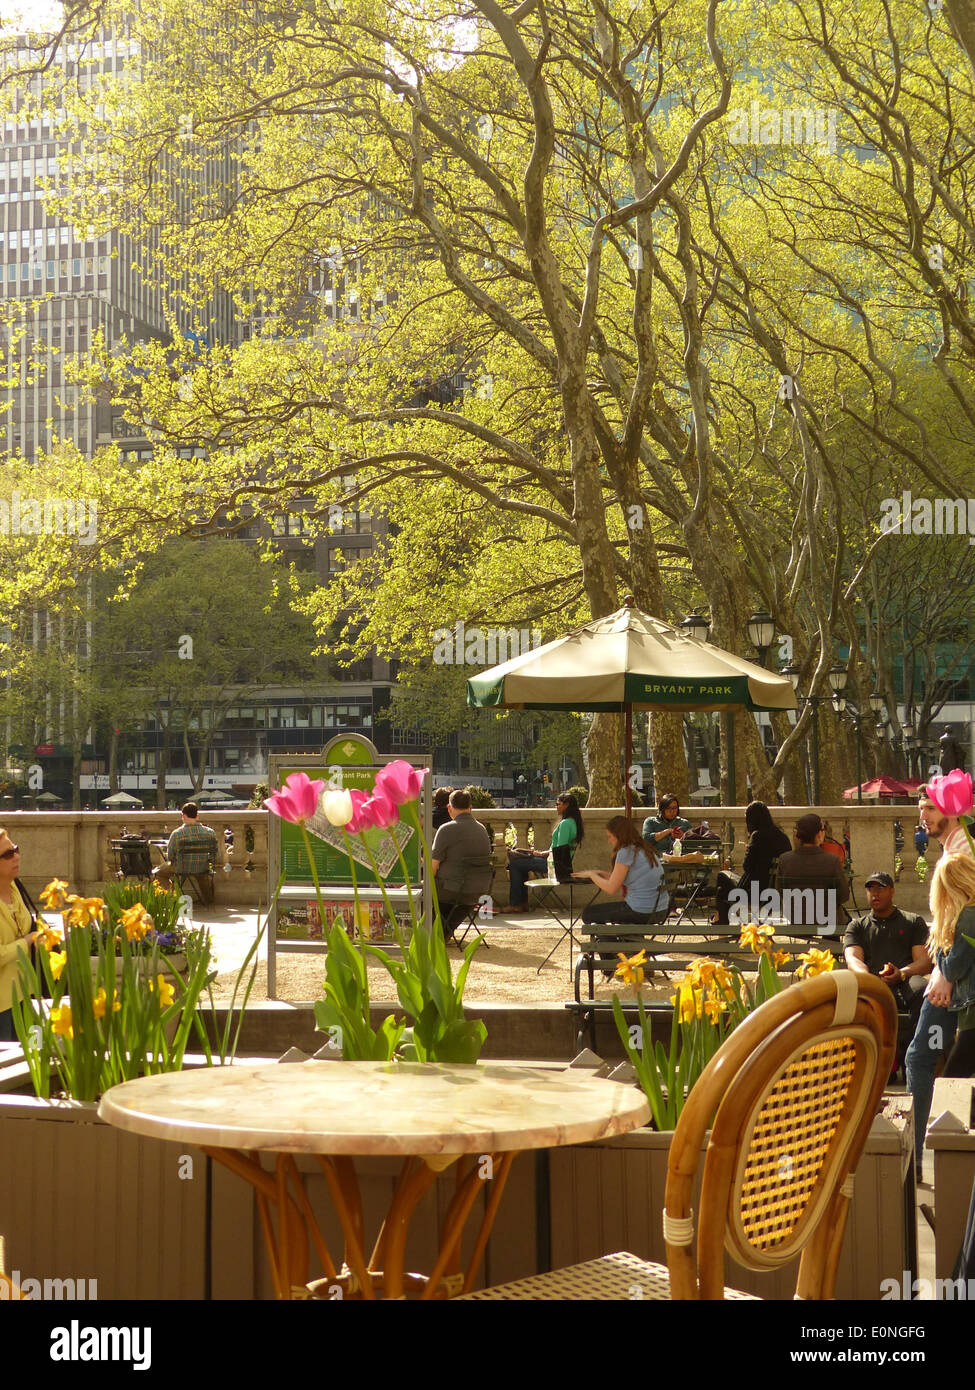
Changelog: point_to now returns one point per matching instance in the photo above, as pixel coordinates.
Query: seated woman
(521, 867)
(765, 843)
(637, 873)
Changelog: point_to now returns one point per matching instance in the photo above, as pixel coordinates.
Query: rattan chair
(789, 1099)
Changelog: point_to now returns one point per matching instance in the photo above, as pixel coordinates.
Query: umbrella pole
(629, 758)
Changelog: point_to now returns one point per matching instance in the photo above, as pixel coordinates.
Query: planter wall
(80, 1199)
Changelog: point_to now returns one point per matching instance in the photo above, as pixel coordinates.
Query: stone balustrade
(76, 845)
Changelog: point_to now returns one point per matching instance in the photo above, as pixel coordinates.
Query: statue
(952, 753)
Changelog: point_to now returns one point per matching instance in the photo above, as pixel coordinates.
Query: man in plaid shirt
(192, 850)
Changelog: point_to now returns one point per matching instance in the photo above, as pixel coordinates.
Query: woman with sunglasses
(16, 935)
(568, 833)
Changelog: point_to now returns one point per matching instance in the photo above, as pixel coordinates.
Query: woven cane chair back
(789, 1098)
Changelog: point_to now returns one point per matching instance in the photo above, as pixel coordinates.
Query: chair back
(789, 1099)
(811, 902)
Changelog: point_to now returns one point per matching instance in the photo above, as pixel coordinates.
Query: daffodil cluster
(757, 936)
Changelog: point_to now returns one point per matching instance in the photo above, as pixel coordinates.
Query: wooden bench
(612, 940)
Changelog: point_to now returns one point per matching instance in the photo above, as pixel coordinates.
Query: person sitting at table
(192, 852)
(463, 862)
(522, 866)
(666, 826)
(766, 841)
(637, 873)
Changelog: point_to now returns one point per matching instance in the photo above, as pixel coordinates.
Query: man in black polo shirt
(890, 944)
(463, 862)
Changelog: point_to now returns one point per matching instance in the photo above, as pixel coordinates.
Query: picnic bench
(661, 939)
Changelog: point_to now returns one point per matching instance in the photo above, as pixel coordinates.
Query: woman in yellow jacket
(15, 933)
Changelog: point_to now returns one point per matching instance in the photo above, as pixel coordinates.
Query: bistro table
(432, 1115)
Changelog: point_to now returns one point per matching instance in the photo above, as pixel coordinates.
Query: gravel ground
(507, 971)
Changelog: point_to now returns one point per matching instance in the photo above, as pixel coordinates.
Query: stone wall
(75, 845)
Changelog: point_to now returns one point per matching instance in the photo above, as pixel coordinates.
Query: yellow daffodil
(99, 1002)
(53, 896)
(630, 970)
(165, 989)
(57, 961)
(714, 1008)
(136, 922)
(61, 1021)
(756, 936)
(816, 962)
(703, 971)
(84, 911)
(724, 981)
(779, 959)
(48, 937)
(688, 1001)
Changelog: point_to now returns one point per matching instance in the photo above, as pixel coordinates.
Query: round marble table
(434, 1116)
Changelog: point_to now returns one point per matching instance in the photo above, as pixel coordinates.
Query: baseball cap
(885, 880)
(808, 826)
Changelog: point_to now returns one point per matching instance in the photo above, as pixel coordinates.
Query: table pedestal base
(382, 1273)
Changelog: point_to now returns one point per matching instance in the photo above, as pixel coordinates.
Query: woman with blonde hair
(950, 996)
(953, 912)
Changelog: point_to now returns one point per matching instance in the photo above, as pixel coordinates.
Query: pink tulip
(298, 801)
(952, 794)
(379, 811)
(359, 800)
(400, 782)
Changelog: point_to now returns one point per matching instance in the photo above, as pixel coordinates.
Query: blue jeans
(920, 1062)
(520, 870)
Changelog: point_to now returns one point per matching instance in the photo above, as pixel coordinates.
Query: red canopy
(880, 787)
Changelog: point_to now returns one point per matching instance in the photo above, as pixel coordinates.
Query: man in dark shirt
(463, 862)
(891, 944)
(811, 881)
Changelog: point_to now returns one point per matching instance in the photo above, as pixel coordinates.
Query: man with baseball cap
(890, 944)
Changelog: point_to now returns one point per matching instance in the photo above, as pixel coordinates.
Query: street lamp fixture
(837, 677)
(792, 674)
(696, 625)
(839, 701)
(877, 701)
(761, 631)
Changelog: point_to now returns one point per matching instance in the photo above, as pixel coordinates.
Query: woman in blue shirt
(637, 873)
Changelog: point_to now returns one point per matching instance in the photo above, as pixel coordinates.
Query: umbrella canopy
(630, 659)
(122, 799)
(47, 796)
(210, 795)
(880, 787)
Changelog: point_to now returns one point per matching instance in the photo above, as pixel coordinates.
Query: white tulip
(337, 807)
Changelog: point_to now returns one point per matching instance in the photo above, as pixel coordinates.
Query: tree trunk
(113, 762)
(669, 757)
(603, 751)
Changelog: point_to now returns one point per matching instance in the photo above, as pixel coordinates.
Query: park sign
(630, 660)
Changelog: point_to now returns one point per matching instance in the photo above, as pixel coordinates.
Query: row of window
(306, 715)
(45, 270)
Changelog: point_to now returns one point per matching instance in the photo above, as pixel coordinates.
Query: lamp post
(840, 705)
(699, 625)
(837, 681)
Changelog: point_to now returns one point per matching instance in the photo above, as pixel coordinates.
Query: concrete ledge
(523, 1031)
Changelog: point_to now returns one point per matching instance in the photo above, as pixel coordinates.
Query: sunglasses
(9, 853)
